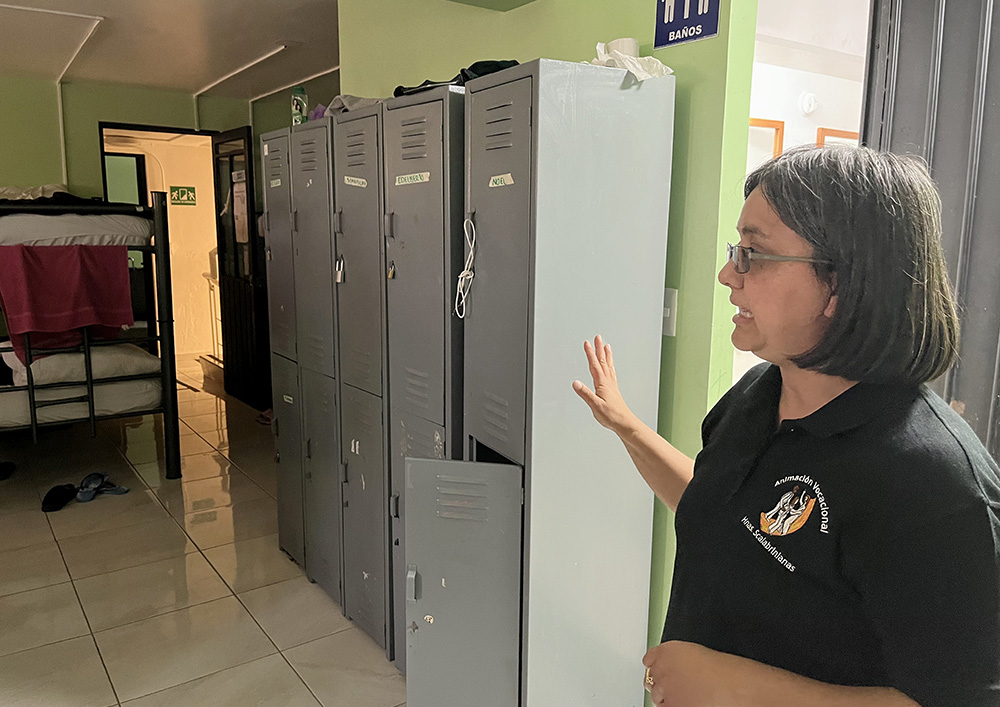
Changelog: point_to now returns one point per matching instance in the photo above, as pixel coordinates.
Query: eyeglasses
(741, 256)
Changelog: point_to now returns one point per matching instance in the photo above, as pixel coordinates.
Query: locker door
(498, 154)
(359, 243)
(278, 239)
(313, 238)
(410, 436)
(288, 437)
(365, 546)
(463, 583)
(322, 482)
(416, 248)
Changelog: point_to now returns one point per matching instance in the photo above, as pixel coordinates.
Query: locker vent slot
(308, 160)
(315, 345)
(499, 127)
(496, 416)
(415, 142)
(418, 120)
(461, 499)
(416, 388)
(357, 148)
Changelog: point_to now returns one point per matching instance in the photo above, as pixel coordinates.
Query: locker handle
(411, 584)
(295, 220)
(387, 220)
(275, 423)
(309, 448)
(338, 218)
(267, 221)
(394, 505)
(343, 473)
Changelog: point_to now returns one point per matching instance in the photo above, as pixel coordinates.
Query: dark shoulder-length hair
(876, 217)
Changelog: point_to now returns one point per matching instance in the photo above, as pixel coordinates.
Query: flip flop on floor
(7, 470)
(112, 488)
(57, 497)
(89, 486)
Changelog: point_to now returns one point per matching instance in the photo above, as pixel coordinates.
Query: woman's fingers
(611, 361)
(596, 371)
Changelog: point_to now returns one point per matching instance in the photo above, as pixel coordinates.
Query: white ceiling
(181, 45)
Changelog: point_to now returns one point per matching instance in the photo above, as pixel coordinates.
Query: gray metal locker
(312, 205)
(568, 184)
(464, 525)
(288, 438)
(322, 484)
(278, 238)
(411, 437)
(365, 522)
(424, 193)
(499, 177)
(360, 262)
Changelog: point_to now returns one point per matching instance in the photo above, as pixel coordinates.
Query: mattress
(109, 399)
(75, 229)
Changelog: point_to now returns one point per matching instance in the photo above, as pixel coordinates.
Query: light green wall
(385, 42)
(29, 133)
(87, 104)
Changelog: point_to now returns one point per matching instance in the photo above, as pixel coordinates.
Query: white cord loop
(465, 277)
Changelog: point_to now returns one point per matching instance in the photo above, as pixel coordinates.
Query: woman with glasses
(879, 584)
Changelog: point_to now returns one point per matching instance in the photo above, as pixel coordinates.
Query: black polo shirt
(856, 546)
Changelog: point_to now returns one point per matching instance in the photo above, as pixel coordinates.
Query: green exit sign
(182, 196)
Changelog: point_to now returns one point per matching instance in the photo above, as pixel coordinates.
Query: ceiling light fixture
(231, 74)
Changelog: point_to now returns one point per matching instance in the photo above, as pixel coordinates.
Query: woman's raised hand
(605, 400)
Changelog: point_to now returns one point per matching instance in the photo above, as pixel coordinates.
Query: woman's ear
(831, 305)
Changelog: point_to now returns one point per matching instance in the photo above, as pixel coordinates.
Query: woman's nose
(729, 277)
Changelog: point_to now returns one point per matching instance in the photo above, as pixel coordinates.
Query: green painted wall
(385, 42)
(29, 133)
(87, 104)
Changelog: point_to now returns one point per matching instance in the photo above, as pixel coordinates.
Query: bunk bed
(83, 363)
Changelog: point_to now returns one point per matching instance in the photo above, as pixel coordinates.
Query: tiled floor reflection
(174, 594)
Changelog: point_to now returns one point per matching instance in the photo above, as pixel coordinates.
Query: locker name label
(355, 182)
(418, 178)
(275, 182)
(501, 180)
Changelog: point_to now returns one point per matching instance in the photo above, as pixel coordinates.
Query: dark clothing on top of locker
(480, 68)
(855, 546)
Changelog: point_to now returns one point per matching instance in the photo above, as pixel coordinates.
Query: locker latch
(391, 273)
(387, 224)
(338, 276)
(411, 584)
(267, 253)
(337, 221)
(394, 505)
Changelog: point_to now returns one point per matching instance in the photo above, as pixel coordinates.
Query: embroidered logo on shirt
(791, 512)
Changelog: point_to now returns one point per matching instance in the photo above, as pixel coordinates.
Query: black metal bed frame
(161, 332)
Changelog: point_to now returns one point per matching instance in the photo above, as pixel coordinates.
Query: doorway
(808, 84)
(217, 264)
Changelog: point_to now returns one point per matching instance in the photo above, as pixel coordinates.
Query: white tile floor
(175, 594)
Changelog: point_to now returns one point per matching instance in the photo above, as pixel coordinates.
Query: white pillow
(106, 361)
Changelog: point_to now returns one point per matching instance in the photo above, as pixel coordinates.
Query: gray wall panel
(288, 437)
(416, 250)
(365, 543)
(464, 522)
(313, 239)
(280, 269)
(322, 484)
(358, 177)
(498, 153)
(409, 436)
(946, 77)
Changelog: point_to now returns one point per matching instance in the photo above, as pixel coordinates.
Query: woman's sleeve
(933, 593)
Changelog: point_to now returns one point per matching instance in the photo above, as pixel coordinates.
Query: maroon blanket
(53, 291)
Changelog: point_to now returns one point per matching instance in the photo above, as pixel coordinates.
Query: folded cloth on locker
(54, 291)
(480, 68)
(345, 103)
